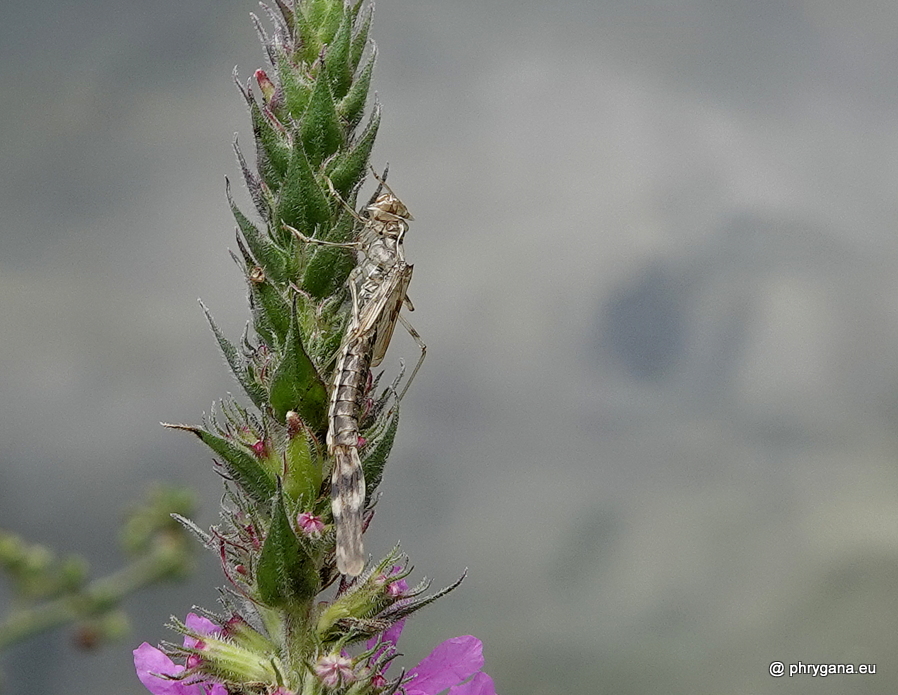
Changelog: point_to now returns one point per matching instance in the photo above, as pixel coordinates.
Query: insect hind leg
(417, 338)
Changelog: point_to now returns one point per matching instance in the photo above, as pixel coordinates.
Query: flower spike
(325, 284)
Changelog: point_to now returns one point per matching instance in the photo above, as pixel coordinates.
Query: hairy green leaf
(360, 40)
(285, 573)
(237, 364)
(271, 310)
(272, 149)
(347, 170)
(336, 59)
(302, 203)
(352, 106)
(320, 130)
(375, 455)
(242, 466)
(266, 254)
(295, 384)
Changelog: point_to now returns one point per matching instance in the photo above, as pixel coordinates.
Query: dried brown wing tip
(347, 503)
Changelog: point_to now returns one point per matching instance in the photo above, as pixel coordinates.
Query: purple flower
(149, 660)
(447, 666)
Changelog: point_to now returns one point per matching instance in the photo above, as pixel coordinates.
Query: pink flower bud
(335, 670)
(394, 589)
(193, 660)
(397, 589)
(310, 524)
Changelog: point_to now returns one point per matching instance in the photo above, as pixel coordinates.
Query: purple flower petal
(392, 633)
(480, 684)
(448, 664)
(200, 625)
(390, 636)
(149, 660)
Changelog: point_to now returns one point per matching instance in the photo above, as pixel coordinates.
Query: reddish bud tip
(294, 423)
(266, 85)
(232, 624)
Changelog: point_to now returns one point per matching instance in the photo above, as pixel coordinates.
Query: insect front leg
(321, 242)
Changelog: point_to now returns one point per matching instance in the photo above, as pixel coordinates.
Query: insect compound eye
(399, 209)
(384, 202)
(391, 204)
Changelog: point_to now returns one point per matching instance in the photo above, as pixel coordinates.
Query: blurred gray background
(655, 257)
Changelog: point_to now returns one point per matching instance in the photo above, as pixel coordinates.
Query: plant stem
(102, 595)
